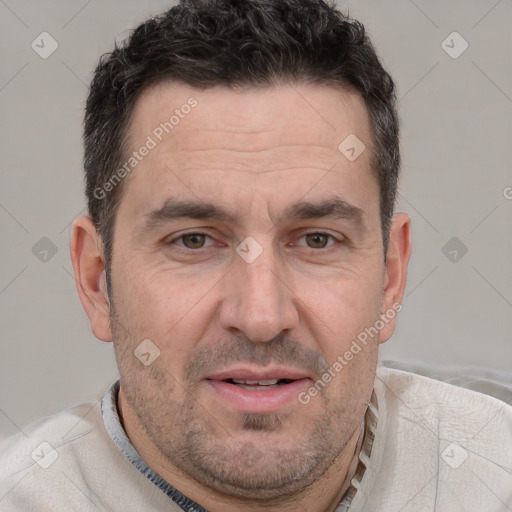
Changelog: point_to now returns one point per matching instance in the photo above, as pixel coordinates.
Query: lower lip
(261, 400)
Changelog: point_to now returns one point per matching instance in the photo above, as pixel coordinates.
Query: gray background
(456, 125)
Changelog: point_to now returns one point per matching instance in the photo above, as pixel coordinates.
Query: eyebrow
(175, 209)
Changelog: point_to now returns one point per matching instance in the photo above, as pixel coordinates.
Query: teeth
(269, 382)
(257, 388)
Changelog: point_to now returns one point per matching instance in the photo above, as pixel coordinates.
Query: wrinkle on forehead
(273, 141)
(260, 113)
(261, 161)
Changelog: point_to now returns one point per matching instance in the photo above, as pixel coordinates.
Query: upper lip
(255, 373)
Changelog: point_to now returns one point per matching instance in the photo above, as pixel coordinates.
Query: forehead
(275, 141)
(258, 112)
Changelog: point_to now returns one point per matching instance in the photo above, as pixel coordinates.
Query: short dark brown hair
(206, 43)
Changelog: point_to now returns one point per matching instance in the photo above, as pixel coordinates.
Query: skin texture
(298, 305)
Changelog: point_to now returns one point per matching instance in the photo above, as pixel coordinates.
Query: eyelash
(324, 249)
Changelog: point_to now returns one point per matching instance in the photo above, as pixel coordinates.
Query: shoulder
(440, 446)
(45, 454)
(33, 445)
(68, 461)
(442, 402)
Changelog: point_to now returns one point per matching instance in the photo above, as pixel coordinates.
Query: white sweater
(431, 447)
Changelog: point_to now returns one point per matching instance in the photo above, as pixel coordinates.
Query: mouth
(253, 390)
(258, 385)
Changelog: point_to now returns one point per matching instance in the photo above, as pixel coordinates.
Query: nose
(258, 301)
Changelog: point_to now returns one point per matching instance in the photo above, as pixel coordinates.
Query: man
(243, 255)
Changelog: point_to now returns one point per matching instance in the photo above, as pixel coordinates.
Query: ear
(89, 267)
(395, 278)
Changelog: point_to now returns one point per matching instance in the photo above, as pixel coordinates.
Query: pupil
(196, 239)
(317, 239)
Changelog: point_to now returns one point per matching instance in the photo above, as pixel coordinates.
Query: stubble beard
(249, 463)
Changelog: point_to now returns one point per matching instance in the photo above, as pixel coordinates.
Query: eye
(192, 240)
(318, 240)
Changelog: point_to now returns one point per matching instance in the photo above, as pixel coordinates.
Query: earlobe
(89, 267)
(395, 278)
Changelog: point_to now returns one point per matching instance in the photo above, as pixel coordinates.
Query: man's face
(283, 307)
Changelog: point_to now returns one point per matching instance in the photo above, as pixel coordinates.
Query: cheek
(170, 309)
(157, 297)
(342, 309)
